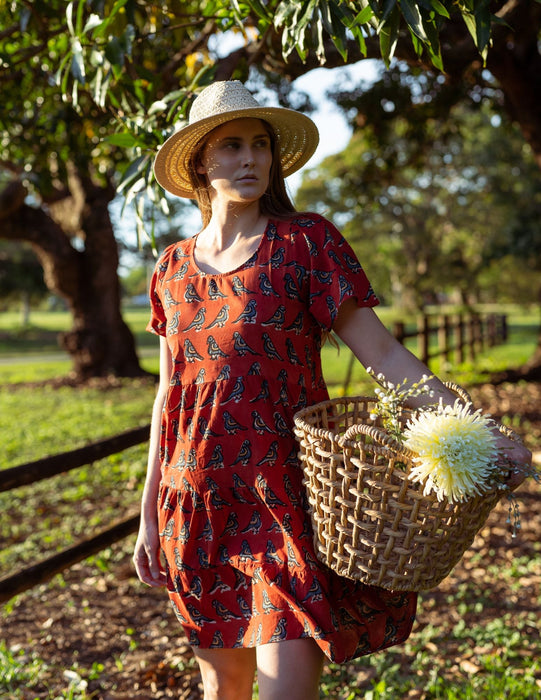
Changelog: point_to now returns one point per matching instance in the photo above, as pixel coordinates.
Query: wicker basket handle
(378, 436)
(459, 391)
(384, 438)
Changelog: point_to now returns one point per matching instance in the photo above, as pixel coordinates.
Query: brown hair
(275, 202)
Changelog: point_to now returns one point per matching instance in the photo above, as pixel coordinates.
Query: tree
(21, 277)
(108, 79)
(59, 175)
(429, 212)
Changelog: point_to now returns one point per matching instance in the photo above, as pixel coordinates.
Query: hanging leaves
(140, 63)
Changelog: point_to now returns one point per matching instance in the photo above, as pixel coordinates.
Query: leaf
(388, 36)
(334, 22)
(134, 172)
(433, 44)
(123, 140)
(439, 8)
(366, 5)
(60, 70)
(284, 10)
(319, 41)
(79, 18)
(483, 21)
(413, 17)
(157, 107)
(114, 52)
(259, 9)
(69, 18)
(24, 19)
(103, 27)
(364, 16)
(388, 7)
(77, 61)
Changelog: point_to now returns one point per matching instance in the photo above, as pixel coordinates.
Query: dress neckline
(239, 267)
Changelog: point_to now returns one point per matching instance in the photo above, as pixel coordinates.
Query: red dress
(233, 516)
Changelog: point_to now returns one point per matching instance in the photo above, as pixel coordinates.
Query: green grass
(39, 421)
(36, 421)
(21, 671)
(442, 662)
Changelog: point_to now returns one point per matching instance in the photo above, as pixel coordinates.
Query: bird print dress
(233, 515)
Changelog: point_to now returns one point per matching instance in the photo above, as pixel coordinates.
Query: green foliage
(20, 672)
(427, 201)
(15, 668)
(101, 86)
(20, 272)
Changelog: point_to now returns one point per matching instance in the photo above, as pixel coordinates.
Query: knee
(227, 674)
(227, 685)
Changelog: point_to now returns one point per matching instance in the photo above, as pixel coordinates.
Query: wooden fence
(453, 337)
(57, 464)
(459, 337)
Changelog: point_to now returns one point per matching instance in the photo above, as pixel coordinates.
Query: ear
(201, 169)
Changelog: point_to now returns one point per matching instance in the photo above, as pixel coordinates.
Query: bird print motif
(234, 518)
(221, 318)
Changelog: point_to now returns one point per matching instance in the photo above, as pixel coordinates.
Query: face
(237, 159)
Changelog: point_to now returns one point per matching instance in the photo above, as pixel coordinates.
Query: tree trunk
(99, 343)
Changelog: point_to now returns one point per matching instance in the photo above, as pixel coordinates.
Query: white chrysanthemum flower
(456, 451)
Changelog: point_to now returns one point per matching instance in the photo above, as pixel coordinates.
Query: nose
(248, 156)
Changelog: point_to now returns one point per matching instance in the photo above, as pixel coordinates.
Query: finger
(157, 574)
(149, 574)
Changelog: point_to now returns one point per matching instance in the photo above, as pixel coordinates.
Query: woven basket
(371, 523)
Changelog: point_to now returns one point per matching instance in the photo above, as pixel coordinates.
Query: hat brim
(297, 135)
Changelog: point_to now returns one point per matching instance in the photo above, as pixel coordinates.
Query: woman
(241, 309)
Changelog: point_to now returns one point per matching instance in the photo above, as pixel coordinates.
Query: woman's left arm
(375, 347)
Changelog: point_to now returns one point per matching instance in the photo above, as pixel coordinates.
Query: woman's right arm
(146, 555)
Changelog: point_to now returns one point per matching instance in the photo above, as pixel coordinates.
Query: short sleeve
(158, 321)
(335, 273)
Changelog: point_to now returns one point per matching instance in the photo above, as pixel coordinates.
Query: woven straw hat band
(222, 102)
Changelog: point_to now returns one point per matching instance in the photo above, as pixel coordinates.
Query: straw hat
(222, 102)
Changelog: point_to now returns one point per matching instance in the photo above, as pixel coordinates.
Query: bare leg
(228, 674)
(289, 670)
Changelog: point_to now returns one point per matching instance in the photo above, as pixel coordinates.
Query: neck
(233, 221)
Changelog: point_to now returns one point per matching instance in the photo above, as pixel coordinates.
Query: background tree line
(91, 88)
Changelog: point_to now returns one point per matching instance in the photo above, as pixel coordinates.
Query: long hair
(275, 201)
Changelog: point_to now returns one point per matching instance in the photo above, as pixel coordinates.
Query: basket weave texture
(371, 523)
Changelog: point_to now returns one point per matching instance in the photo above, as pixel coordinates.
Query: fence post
(424, 337)
(503, 328)
(443, 337)
(492, 331)
(480, 332)
(399, 331)
(470, 327)
(460, 338)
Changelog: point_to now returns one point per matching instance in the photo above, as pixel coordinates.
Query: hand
(516, 458)
(146, 556)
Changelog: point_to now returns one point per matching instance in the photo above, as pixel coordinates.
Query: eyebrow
(263, 135)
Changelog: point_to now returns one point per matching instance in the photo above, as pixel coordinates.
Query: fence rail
(460, 335)
(51, 466)
(57, 464)
(457, 336)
